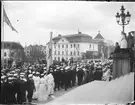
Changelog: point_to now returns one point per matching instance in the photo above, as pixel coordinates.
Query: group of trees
(35, 55)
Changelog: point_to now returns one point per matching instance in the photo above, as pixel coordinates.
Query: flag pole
(2, 25)
(51, 45)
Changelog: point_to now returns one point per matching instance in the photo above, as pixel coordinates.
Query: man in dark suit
(4, 94)
(30, 87)
(21, 98)
(117, 48)
(80, 75)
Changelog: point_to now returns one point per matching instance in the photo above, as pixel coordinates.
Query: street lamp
(122, 18)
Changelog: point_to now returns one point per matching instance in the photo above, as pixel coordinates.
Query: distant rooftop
(99, 36)
(75, 38)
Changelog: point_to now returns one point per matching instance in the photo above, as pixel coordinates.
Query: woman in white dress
(50, 84)
(36, 82)
(42, 96)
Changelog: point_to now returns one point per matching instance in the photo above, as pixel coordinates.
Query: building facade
(72, 46)
(11, 51)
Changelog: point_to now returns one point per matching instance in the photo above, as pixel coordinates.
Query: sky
(34, 20)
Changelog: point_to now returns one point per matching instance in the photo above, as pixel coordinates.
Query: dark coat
(117, 49)
(30, 85)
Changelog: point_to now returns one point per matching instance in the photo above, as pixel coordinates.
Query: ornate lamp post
(122, 18)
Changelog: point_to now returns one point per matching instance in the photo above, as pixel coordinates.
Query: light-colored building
(72, 46)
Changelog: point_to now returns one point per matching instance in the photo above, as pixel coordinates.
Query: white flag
(49, 53)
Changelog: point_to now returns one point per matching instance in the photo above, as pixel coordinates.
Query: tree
(35, 54)
(17, 55)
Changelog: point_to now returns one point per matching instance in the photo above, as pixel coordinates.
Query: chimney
(79, 32)
(59, 35)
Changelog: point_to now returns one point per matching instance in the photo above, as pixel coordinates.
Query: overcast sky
(37, 18)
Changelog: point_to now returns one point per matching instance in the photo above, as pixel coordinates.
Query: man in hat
(16, 86)
(57, 78)
(65, 78)
(69, 73)
(22, 93)
(4, 94)
(30, 87)
(80, 75)
(73, 75)
(10, 90)
(61, 77)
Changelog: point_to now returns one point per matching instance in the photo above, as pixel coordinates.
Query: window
(62, 40)
(62, 46)
(74, 53)
(66, 46)
(66, 52)
(58, 46)
(78, 45)
(54, 52)
(55, 46)
(55, 58)
(58, 52)
(71, 45)
(58, 58)
(62, 52)
(5, 54)
(90, 45)
(78, 53)
(71, 53)
(74, 45)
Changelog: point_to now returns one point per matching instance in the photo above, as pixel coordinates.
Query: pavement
(119, 91)
(57, 94)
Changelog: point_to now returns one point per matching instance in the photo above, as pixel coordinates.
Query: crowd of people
(28, 82)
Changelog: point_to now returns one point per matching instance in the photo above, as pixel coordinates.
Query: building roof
(75, 38)
(99, 36)
(11, 45)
